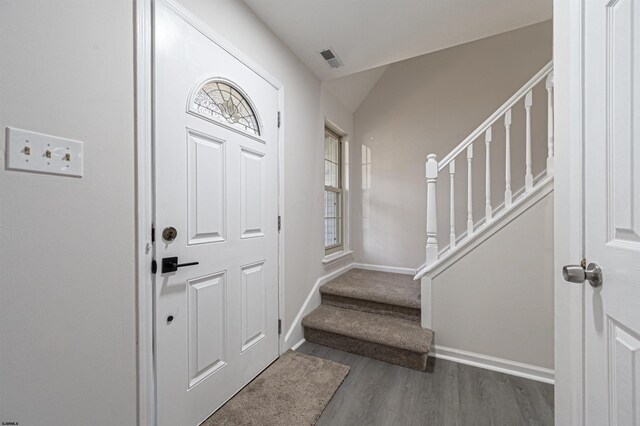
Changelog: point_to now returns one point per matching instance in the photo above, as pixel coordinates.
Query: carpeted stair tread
(380, 329)
(375, 286)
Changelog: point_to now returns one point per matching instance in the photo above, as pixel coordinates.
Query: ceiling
(367, 34)
(353, 88)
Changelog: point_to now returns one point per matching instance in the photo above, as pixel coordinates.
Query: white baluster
(452, 209)
(507, 160)
(469, 192)
(528, 177)
(549, 84)
(432, 220)
(488, 210)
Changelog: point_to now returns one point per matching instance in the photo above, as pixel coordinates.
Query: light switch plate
(39, 153)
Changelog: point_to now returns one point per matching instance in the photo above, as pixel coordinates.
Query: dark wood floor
(377, 393)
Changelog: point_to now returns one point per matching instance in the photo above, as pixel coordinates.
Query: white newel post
(507, 159)
(488, 210)
(549, 85)
(452, 205)
(432, 219)
(469, 191)
(528, 177)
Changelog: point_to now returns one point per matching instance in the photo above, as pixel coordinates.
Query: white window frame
(339, 247)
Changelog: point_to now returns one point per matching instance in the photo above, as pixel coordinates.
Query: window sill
(334, 257)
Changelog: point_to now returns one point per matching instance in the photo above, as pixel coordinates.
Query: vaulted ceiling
(367, 34)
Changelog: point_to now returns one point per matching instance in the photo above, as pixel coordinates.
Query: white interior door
(215, 134)
(612, 210)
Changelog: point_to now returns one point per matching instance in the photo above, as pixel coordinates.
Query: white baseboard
(382, 268)
(500, 365)
(312, 301)
(297, 345)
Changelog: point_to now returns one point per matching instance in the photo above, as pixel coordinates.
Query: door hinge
(279, 223)
(154, 266)
(153, 234)
(279, 119)
(279, 326)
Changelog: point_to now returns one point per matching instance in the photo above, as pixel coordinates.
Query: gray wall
(498, 299)
(67, 283)
(429, 104)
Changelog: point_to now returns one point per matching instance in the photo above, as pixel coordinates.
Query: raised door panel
(206, 189)
(206, 339)
(252, 180)
(624, 379)
(253, 304)
(623, 96)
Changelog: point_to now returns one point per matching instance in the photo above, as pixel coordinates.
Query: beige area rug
(293, 391)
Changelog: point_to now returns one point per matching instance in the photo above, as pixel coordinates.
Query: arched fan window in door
(220, 101)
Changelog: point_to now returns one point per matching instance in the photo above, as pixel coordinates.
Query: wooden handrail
(496, 115)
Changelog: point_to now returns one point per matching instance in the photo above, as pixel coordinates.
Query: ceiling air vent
(331, 58)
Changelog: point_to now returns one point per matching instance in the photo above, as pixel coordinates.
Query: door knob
(170, 264)
(578, 274)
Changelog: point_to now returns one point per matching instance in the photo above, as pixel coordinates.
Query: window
(366, 185)
(333, 227)
(224, 103)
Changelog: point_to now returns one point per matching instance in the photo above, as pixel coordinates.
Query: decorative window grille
(219, 101)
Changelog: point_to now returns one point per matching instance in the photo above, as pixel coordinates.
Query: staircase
(515, 201)
(374, 314)
(387, 316)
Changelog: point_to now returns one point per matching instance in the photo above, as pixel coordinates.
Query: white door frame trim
(144, 214)
(146, 403)
(569, 211)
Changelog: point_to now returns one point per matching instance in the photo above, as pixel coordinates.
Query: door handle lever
(170, 264)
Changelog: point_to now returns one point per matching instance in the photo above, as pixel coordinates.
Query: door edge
(569, 329)
(146, 407)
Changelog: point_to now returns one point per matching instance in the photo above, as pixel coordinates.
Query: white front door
(215, 133)
(612, 210)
